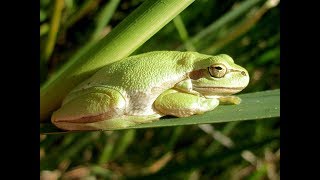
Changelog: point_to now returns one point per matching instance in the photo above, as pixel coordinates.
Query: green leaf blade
(257, 105)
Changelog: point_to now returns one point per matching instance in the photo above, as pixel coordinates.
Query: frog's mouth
(210, 90)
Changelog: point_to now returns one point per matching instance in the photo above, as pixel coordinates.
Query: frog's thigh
(93, 105)
(180, 104)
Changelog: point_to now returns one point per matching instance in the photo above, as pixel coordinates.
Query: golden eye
(217, 70)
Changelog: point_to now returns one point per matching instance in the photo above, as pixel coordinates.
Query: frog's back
(146, 70)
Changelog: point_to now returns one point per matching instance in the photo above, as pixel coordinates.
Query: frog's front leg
(186, 86)
(180, 104)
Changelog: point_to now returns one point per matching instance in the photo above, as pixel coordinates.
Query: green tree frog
(145, 87)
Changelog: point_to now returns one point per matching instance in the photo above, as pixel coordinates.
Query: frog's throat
(211, 90)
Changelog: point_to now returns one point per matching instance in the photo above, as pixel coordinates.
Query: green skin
(145, 87)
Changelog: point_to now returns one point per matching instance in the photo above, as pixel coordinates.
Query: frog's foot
(95, 105)
(173, 102)
(228, 100)
(123, 122)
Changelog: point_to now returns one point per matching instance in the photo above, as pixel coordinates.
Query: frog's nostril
(243, 73)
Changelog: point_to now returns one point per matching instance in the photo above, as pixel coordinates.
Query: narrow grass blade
(258, 105)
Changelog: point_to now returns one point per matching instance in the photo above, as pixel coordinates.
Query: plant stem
(242, 8)
(53, 31)
(104, 17)
(212, 29)
(239, 30)
(85, 9)
(130, 34)
(183, 33)
(44, 28)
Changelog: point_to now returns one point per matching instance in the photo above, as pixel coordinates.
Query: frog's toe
(207, 105)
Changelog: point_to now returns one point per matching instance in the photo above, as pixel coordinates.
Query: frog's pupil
(218, 68)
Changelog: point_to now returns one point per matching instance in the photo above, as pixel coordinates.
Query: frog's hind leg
(123, 122)
(180, 104)
(92, 105)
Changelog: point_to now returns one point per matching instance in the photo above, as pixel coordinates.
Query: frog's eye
(217, 70)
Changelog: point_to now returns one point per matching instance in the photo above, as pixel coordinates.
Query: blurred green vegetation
(247, 30)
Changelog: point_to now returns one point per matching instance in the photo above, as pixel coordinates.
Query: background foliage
(246, 30)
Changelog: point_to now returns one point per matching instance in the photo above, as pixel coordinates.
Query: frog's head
(218, 76)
